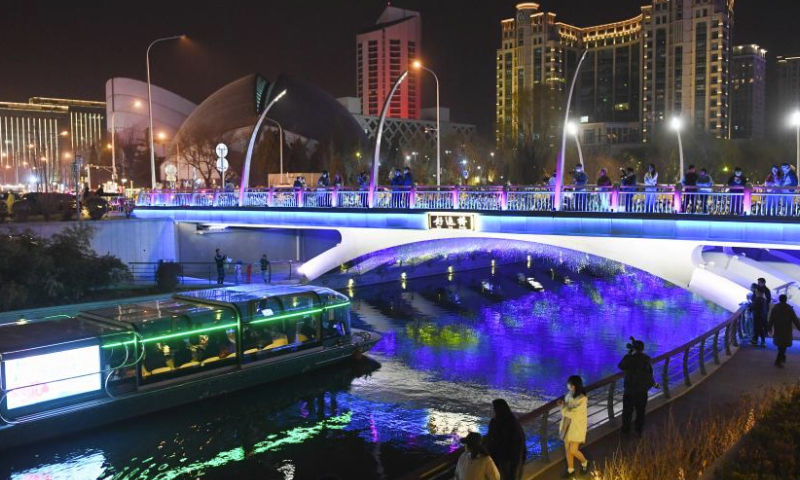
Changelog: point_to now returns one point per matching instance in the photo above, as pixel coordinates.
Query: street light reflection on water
(449, 347)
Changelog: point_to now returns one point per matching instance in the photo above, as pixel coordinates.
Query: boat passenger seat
(210, 360)
(250, 351)
(278, 342)
(301, 338)
(161, 370)
(190, 364)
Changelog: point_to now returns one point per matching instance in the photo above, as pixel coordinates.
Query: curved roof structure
(306, 110)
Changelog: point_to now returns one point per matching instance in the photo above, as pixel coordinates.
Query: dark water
(449, 347)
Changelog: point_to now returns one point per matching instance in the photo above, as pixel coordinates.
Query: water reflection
(451, 344)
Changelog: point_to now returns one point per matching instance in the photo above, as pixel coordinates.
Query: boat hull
(170, 394)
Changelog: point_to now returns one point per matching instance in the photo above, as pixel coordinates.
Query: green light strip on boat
(230, 325)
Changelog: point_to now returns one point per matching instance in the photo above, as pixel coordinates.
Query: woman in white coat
(574, 423)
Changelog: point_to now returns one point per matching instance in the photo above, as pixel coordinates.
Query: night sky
(71, 48)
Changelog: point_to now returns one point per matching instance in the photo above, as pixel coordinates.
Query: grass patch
(769, 423)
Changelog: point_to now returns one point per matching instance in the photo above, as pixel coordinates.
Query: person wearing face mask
(736, 185)
(574, 424)
(773, 184)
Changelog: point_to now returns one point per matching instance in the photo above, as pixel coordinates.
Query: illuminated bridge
(691, 238)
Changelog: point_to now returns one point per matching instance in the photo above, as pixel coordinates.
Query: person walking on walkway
(475, 463)
(760, 308)
(237, 272)
(506, 441)
(638, 381)
(574, 424)
(780, 323)
(219, 260)
(762, 286)
(266, 273)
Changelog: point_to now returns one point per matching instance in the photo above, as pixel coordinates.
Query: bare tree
(197, 149)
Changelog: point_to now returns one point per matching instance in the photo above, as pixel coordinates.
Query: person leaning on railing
(638, 382)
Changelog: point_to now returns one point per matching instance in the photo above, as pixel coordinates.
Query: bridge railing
(678, 368)
(651, 200)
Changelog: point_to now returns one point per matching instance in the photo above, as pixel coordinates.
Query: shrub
(771, 450)
(167, 276)
(36, 272)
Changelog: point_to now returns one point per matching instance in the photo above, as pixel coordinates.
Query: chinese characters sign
(451, 221)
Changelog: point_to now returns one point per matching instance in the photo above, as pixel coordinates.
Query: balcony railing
(650, 200)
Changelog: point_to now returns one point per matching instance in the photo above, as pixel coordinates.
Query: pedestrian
(396, 183)
(505, 441)
(788, 185)
(651, 187)
(762, 285)
(475, 463)
(298, 184)
(604, 186)
(705, 185)
(629, 181)
(574, 424)
(579, 178)
(780, 324)
(789, 177)
(266, 271)
(760, 309)
(736, 184)
(747, 325)
(363, 180)
(219, 260)
(638, 381)
(324, 180)
(237, 272)
(579, 181)
(337, 180)
(689, 182)
(773, 184)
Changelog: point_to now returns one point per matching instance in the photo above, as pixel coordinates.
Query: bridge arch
(679, 262)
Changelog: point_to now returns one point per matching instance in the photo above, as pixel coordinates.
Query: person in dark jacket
(762, 286)
(759, 307)
(689, 182)
(506, 441)
(736, 185)
(638, 381)
(219, 260)
(780, 323)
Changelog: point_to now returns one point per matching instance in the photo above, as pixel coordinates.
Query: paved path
(749, 371)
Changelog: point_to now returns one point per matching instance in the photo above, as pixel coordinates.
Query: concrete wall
(248, 245)
(135, 240)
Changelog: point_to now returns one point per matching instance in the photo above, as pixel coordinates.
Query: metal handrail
(753, 200)
(607, 388)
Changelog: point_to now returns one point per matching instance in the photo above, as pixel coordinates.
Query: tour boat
(113, 363)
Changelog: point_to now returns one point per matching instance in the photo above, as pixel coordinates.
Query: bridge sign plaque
(451, 221)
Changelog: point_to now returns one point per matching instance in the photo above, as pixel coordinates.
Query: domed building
(305, 113)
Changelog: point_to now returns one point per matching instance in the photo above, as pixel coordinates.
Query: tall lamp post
(418, 65)
(677, 125)
(574, 130)
(251, 146)
(376, 159)
(150, 108)
(795, 122)
(560, 166)
(280, 138)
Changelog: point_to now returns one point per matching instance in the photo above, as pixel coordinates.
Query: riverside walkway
(749, 371)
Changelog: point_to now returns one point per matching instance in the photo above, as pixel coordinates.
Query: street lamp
(795, 122)
(280, 138)
(376, 159)
(249, 155)
(418, 65)
(560, 166)
(574, 130)
(677, 124)
(150, 108)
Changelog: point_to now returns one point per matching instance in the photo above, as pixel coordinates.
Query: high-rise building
(673, 59)
(748, 91)
(788, 85)
(38, 139)
(384, 51)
